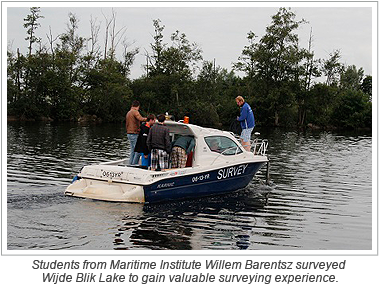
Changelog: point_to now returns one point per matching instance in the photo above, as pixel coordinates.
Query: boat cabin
(211, 145)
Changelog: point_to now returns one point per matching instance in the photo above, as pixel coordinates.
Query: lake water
(320, 196)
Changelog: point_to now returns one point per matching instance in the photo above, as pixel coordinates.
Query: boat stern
(106, 191)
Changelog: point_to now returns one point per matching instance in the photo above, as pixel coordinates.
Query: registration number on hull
(111, 174)
(200, 177)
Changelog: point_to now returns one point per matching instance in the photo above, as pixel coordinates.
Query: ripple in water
(320, 197)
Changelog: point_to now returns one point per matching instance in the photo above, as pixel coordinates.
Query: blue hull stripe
(214, 182)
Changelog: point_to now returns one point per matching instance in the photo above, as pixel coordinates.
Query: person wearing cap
(247, 122)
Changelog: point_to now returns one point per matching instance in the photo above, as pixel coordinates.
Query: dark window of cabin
(223, 145)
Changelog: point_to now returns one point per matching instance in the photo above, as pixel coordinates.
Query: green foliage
(319, 103)
(179, 59)
(366, 86)
(351, 78)
(331, 68)
(155, 61)
(70, 81)
(275, 63)
(31, 24)
(247, 61)
(352, 110)
(108, 93)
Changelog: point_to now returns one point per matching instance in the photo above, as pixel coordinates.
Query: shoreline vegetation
(94, 120)
(78, 79)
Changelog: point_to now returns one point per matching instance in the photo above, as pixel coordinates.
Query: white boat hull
(106, 191)
(174, 184)
(227, 168)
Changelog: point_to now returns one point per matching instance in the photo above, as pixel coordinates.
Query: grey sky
(220, 31)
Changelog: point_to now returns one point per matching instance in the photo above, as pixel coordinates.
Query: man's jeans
(134, 156)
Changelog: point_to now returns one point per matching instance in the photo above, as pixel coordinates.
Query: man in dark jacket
(159, 144)
(141, 146)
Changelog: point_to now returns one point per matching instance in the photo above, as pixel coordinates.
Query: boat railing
(259, 146)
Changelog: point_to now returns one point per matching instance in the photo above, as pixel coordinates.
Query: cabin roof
(190, 129)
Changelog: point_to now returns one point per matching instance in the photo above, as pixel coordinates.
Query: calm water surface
(320, 197)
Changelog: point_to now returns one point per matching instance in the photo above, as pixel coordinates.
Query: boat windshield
(223, 145)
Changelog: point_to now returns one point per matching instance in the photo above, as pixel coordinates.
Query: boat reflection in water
(195, 224)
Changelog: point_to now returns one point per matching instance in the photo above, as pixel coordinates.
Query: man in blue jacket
(247, 122)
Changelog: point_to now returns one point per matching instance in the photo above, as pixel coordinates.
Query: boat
(218, 164)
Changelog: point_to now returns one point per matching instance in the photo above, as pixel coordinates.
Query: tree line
(71, 77)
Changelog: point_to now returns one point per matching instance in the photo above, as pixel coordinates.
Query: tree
(247, 61)
(331, 68)
(308, 70)
(277, 59)
(351, 78)
(128, 57)
(31, 24)
(320, 104)
(154, 62)
(352, 110)
(114, 36)
(170, 69)
(71, 47)
(179, 59)
(93, 48)
(70, 77)
(366, 86)
(51, 41)
(278, 51)
(68, 72)
(182, 57)
(70, 41)
(108, 92)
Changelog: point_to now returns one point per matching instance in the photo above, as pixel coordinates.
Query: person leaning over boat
(159, 144)
(181, 149)
(133, 120)
(247, 122)
(141, 146)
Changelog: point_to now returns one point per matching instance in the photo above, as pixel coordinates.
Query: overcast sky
(219, 31)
